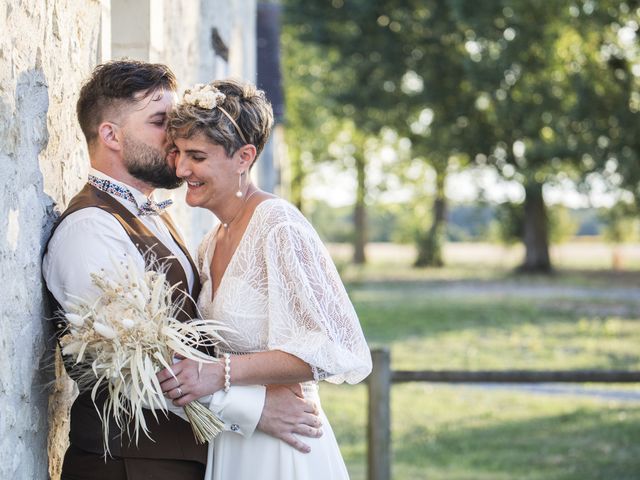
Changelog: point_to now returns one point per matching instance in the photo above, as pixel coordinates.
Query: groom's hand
(286, 413)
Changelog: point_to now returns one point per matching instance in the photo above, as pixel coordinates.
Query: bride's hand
(191, 380)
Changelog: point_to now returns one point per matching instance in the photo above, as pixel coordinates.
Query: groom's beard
(149, 164)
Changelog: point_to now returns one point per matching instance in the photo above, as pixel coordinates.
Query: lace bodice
(281, 291)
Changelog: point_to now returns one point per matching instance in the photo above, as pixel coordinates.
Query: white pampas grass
(74, 319)
(104, 330)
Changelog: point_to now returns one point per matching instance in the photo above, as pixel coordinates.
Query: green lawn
(483, 317)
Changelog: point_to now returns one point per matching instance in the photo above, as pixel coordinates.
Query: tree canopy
(543, 91)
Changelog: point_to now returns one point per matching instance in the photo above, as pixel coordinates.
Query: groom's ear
(108, 135)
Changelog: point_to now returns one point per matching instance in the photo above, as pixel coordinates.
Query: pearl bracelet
(227, 371)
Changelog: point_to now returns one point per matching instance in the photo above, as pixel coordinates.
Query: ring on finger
(180, 392)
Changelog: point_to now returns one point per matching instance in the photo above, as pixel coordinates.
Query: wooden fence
(382, 377)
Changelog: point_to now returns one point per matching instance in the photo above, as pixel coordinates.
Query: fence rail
(382, 377)
(516, 376)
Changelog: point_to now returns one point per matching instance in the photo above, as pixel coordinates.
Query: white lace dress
(281, 291)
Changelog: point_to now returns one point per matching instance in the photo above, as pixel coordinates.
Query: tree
(445, 120)
(348, 34)
(308, 120)
(388, 51)
(539, 65)
(617, 96)
(524, 85)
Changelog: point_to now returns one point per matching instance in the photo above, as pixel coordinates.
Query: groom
(122, 111)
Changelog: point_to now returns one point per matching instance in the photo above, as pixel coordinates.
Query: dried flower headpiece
(209, 97)
(204, 96)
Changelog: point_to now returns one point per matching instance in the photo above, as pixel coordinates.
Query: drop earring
(239, 193)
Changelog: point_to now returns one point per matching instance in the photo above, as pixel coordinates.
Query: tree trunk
(616, 258)
(297, 179)
(535, 230)
(360, 213)
(430, 244)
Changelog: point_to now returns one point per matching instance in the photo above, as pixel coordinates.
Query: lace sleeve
(310, 314)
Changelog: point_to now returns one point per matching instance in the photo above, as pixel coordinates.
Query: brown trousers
(81, 465)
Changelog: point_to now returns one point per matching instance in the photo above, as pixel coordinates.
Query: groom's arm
(287, 412)
(87, 241)
(84, 243)
(277, 410)
(239, 408)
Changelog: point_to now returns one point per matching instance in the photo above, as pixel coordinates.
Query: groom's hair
(116, 84)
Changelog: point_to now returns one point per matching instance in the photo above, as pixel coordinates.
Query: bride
(265, 274)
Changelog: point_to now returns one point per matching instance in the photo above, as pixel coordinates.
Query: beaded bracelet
(227, 372)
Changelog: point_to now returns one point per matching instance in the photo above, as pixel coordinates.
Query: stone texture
(46, 49)
(189, 25)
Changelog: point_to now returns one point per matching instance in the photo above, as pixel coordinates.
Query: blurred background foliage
(544, 93)
(404, 98)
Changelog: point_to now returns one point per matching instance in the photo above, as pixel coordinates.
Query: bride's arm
(313, 333)
(273, 367)
(191, 380)
(277, 410)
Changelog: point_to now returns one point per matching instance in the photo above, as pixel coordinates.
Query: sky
(331, 183)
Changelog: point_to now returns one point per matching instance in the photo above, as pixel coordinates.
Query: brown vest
(172, 436)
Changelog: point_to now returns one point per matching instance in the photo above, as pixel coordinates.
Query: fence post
(379, 425)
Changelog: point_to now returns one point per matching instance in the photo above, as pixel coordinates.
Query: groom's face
(145, 143)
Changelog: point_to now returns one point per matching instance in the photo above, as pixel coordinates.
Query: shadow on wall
(26, 218)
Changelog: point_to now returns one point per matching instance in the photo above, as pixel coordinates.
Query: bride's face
(211, 176)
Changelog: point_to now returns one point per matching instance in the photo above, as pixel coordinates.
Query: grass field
(476, 314)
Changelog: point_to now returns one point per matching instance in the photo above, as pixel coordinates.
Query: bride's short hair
(243, 102)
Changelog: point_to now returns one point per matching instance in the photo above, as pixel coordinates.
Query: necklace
(225, 225)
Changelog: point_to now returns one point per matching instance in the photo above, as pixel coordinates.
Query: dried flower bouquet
(121, 340)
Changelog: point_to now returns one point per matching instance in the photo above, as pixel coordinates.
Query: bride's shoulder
(277, 210)
(281, 221)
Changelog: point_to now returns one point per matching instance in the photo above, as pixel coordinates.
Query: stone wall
(47, 47)
(190, 25)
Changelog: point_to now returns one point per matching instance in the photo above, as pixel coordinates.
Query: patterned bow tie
(147, 208)
(152, 208)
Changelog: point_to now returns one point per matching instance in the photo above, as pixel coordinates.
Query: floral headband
(209, 97)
